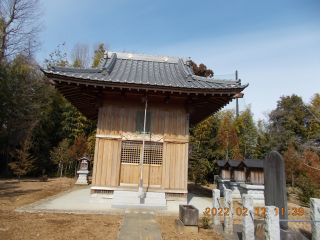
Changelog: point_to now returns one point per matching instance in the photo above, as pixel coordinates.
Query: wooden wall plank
(180, 125)
(186, 166)
(168, 126)
(146, 174)
(107, 119)
(164, 163)
(100, 119)
(109, 161)
(95, 162)
(100, 162)
(168, 165)
(115, 124)
(104, 163)
(116, 167)
(181, 166)
(172, 165)
(174, 126)
(178, 159)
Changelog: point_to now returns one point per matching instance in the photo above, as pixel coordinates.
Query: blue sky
(274, 45)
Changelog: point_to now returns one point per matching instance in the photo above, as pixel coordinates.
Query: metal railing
(285, 220)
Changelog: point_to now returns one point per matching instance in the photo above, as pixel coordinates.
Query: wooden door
(131, 155)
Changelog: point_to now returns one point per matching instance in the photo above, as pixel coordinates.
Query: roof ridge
(147, 57)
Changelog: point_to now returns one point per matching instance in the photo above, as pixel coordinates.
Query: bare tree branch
(19, 27)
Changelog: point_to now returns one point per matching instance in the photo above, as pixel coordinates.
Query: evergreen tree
(199, 167)
(247, 133)
(98, 54)
(288, 123)
(92, 143)
(263, 146)
(61, 155)
(24, 98)
(74, 123)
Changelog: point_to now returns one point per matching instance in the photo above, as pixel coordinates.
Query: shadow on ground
(199, 190)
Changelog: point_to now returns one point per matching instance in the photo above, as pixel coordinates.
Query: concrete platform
(79, 201)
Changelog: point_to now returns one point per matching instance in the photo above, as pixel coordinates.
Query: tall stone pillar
(216, 205)
(247, 220)
(315, 216)
(228, 218)
(272, 227)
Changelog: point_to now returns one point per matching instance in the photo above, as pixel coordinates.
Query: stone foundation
(256, 191)
(223, 185)
(83, 177)
(236, 189)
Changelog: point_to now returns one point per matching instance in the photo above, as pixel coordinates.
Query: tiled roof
(221, 163)
(85, 157)
(234, 163)
(146, 70)
(253, 163)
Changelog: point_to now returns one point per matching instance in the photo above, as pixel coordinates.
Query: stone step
(135, 194)
(136, 200)
(139, 206)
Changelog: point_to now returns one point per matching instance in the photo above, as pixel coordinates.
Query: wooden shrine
(224, 171)
(115, 93)
(237, 173)
(253, 170)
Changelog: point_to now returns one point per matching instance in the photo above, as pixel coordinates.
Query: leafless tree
(80, 56)
(20, 26)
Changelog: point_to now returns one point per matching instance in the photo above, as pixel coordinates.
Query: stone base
(181, 228)
(222, 185)
(259, 232)
(150, 200)
(256, 191)
(83, 178)
(237, 190)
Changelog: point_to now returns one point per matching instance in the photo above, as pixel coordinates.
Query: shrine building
(115, 93)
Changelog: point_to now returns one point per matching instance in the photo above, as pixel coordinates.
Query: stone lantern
(83, 171)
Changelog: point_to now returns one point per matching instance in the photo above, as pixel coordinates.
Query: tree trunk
(292, 183)
(75, 170)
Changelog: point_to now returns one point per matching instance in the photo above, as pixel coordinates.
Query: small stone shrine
(83, 171)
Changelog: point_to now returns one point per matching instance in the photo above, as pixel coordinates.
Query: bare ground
(22, 225)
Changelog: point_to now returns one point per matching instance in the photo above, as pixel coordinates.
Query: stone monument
(275, 190)
(83, 171)
(275, 194)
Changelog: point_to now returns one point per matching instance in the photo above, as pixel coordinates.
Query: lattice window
(153, 154)
(132, 151)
